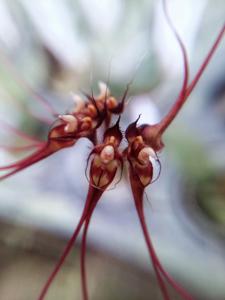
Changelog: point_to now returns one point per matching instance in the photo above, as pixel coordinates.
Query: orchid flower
(106, 159)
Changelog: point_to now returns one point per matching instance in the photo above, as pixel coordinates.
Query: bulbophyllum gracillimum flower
(107, 159)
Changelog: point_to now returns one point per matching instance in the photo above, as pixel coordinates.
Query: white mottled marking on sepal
(107, 154)
(71, 121)
(145, 154)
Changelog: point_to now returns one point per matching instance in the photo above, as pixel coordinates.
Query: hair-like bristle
(121, 105)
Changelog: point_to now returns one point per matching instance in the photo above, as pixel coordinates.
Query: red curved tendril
(159, 270)
(205, 62)
(35, 157)
(18, 132)
(17, 77)
(179, 101)
(83, 255)
(88, 206)
(187, 89)
(156, 261)
(19, 148)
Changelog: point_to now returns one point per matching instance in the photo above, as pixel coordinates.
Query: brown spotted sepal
(149, 133)
(67, 129)
(152, 136)
(139, 155)
(107, 158)
(98, 108)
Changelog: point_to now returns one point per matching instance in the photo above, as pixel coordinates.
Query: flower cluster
(106, 159)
